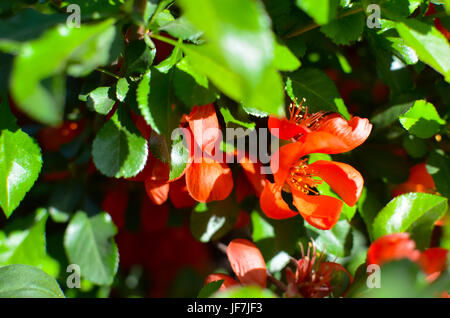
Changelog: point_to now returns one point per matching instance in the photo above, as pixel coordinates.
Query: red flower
(399, 246)
(329, 133)
(294, 175)
(392, 247)
(419, 181)
(313, 277)
(247, 263)
(206, 178)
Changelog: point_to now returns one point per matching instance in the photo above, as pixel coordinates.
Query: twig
(313, 26)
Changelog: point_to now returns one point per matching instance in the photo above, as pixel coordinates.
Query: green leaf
(173, 59)
(23, 281)
(189, 90)
(430, 45)
(438, 166)
(181, 28)
(154, 101)
(284, 59)
(102, 100)
(412, 212)
(179, 156)
(345, 30)
(319, 91)
(245, 292)
(28, 24)
(89, 244)
(7, 119)
(415, 147)
(421, 120)
(390, 115)
(238, 58)
(119, 150)
(23, 242)
(138, 57)
(37, 82)
(261, 228)
(218, 219)
(322, 11)
(209, 289)
(20, 165)
(368, 207)
(230, 120)
(333, 241)
(122, 89)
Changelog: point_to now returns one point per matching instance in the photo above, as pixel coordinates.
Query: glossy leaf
(23, 281)
(412, 212)
(101, 100)
(89, 243)
(430, 45)
(322, 11)
(20, 165)
(119, 150)
(422, 119)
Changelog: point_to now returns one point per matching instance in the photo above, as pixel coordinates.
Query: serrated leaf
(319, 91)
(101, 100)
(173, 59)
(412, 212)
(345, 30)
(119, 150)
(138, 57)
(23, 281)
(421, 120)
(89, 244)
(20, 165)
(190, 92)
(430, 45)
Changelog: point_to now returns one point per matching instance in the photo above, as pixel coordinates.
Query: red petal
(352, 133)
(321, 211)
(209, 180)
(285, 129)
(433, 261)
(253, 172)
(345, 180)
(282, 161)
(247, 262)
(392, 247)
(227, 280)
(179, 194)
(273, 205)
(204, 125)
(157, 191)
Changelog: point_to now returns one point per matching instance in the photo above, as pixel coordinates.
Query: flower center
(301, 177)
(298, 114)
